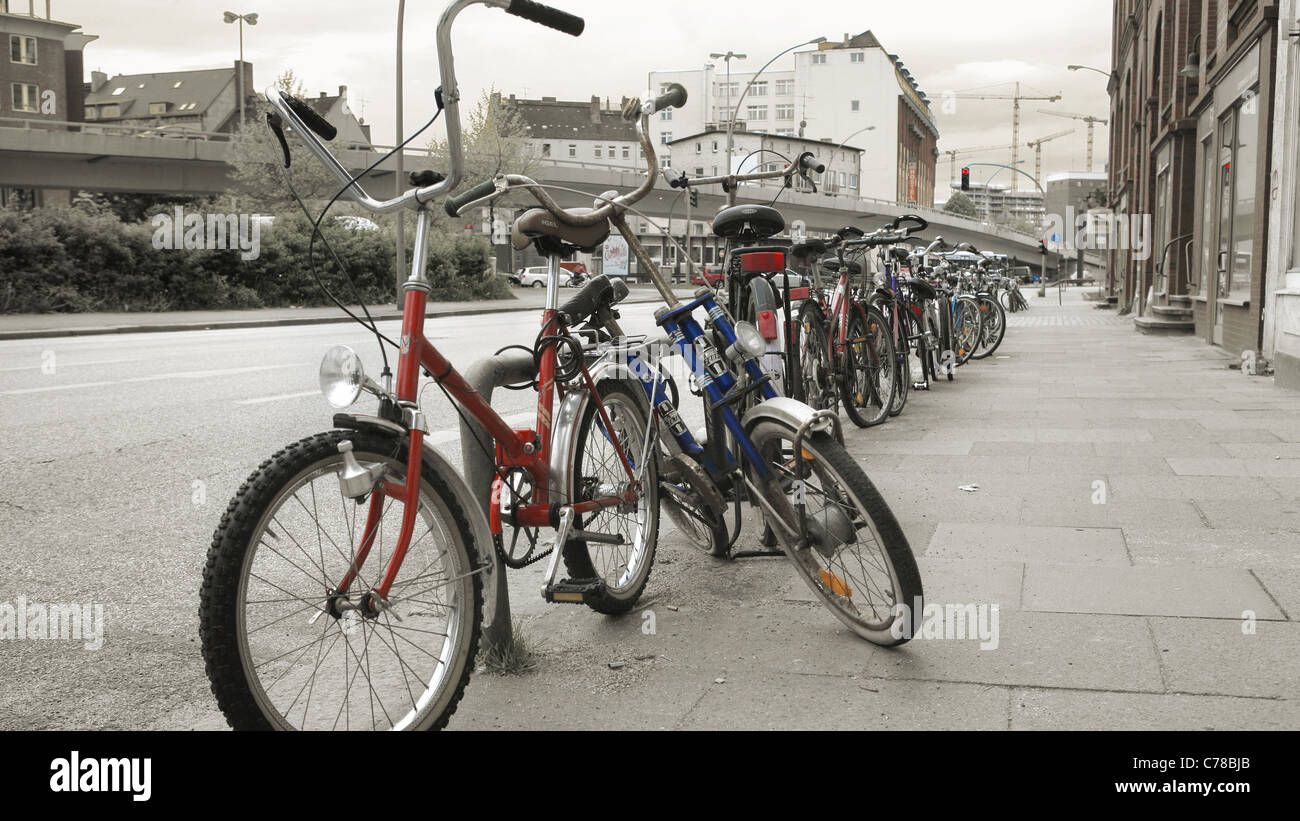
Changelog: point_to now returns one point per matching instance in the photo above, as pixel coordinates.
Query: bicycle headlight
(749, 341)
(341, 376)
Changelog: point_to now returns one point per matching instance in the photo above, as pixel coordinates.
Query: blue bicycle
(756, 447)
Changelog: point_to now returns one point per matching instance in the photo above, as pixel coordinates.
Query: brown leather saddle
(537, 225)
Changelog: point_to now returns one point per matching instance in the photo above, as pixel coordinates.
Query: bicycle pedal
(574, 591)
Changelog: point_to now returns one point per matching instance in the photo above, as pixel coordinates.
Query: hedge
(78, 258)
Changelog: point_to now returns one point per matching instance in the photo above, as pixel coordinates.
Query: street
(1127, 502)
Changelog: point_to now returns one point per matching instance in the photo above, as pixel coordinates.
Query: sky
(949, 45)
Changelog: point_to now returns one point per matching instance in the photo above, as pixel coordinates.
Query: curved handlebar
(920, 224)
(310, 118)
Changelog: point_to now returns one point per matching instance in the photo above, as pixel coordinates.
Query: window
(665, 138)
(113, 110)
(597, 152)
(92, 113)
(715, 146)
(611, 152)
(177, 84)
(756, 112)
(1245, 160)
(784, 88)
(22, 49)
(843, 179)
(758, 89)
(785, 132)
(666, 114)
(857, 57)
(117, 92)
(625, 152)
(666, 162)
(25, 96)
(785, 112)
(573, 150)
(699, 148)
(157, 108)
(546, 149)
(699, 171)
(854, 105)
(818, 59)
(728, 89)
(853, 181)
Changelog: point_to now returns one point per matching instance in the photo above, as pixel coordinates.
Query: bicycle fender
(786, 411)
(472, 507)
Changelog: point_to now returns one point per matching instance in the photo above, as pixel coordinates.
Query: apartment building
(997, 204)
(851, 91)
(704, 155)
(583, 132)
(204, 100)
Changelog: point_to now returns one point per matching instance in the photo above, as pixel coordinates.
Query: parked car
(535, 276)
(712, 274)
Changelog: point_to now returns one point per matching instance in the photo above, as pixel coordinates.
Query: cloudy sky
(949, 45)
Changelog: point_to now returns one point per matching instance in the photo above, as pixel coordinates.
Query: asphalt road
(119, 456)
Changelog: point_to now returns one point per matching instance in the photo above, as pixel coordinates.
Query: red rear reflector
(799, 293)
(767, 324)
(918, 310)
(762, 263)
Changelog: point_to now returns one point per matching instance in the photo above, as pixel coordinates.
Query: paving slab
(1215, 656)
(1039, 709)
(1028, 544)
(1222, 593)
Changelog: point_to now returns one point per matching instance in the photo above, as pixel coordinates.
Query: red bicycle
(343, 587)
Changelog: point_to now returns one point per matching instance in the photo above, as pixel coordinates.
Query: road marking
(153, 378)
(262, 399)
(71, 364)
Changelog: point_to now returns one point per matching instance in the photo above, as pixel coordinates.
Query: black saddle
(922, 288)
(748, 223)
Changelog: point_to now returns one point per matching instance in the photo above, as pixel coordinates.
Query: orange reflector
(835, 583)
(806, 454)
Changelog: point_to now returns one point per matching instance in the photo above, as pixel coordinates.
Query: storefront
(1282, 281)
(1233, 129)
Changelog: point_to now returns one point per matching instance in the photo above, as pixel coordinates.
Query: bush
(87, 259)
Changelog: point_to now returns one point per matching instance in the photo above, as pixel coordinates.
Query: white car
(536, 277)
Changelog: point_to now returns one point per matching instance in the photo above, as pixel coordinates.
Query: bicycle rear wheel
(283, 650)
(844, 542)
(965, 328)
(815, 371)
(870, 367)
(993, 326)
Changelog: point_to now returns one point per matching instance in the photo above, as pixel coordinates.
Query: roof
(177, 88)
(561, 119)
(864, 40)
(1086, 176)
(765, 135)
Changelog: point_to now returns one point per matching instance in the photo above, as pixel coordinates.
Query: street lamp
(1089, 68)
(843, 143)
(731, 119)
(251, 19)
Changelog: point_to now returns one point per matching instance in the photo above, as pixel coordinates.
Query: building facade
(704, 155)
(583, 132)
(1281, 337)
(849, 91)
(999, 205)
(40, 78)
(1192, 92)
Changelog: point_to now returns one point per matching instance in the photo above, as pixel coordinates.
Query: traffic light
(965, 179)
(695, 197)
(1042, 247)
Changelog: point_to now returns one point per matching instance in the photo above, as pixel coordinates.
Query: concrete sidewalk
(1131, 507)
(40, 326)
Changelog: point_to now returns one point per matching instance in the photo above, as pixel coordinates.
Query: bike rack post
(506, 368)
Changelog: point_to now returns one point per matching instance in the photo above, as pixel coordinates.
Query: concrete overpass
(98, 158)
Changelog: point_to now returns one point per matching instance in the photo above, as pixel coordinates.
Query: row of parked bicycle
(350, 578)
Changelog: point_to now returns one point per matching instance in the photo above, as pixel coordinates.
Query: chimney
(98, 80)
(846, 38)
(595, 110)
(322, 95)
(343, 91)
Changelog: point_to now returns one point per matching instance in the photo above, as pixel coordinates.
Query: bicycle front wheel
(624, 562)
(834, 525)
(965, 328)
(284, 650)
(993, 326)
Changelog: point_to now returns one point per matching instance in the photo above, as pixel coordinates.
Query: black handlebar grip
(547, 16)
(454, 203)
(921, 224)
(313, 120)
(594, 295)
(674, 97)
(807, 162)
(620, 290)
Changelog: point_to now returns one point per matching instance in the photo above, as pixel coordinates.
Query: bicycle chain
(518, 564)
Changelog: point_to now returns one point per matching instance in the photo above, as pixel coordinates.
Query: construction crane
(1037, 145)
(1087, 118)
(1015, 120)
(961, 152)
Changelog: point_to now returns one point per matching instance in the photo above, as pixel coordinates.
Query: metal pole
(731, 115)
(241, 72)
(689, 268)
(400, 257)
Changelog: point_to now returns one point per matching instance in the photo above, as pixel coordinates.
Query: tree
(961, 205)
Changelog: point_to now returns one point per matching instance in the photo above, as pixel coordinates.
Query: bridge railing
(115, 129)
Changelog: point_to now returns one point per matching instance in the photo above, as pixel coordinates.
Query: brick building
(1191, 112)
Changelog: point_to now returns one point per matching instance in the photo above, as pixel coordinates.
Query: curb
(172, 327)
